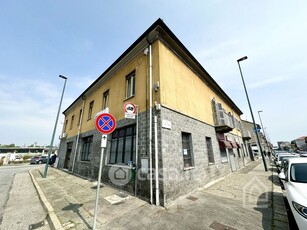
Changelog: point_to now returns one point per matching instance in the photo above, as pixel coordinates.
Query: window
(90, 110)
(130, 85)
(105, 100)
(187, 150)
(231, 120)
(72, 121)
(123, 145)
(209, 150)
(66, 122)
(221, 113)
(80, 115)
(223, 155)
(239, 154)
(86, 149)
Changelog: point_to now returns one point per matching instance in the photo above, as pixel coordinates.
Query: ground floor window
(187, 150)
(86, 149)
(123, 145)
(223, 155)
(245, 152)
(209, 150)
(239, 154)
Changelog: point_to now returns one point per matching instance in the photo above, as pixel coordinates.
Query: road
(18, 199)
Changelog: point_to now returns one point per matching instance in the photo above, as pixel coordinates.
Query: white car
(294, 178)
(283, 156)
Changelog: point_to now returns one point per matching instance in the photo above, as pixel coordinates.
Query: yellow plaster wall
(182, 90)
(75, 111)
(117, 90)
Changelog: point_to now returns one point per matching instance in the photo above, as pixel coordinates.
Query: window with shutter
(221, 114)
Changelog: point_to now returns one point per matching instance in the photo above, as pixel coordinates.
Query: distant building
(300, 143)
(284, 145)
(27, 150)
(186, 123)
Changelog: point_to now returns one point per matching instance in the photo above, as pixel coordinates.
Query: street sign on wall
(256, 130)
(130, 110)
(105, 123)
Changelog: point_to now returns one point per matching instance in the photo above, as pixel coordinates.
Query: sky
(40, 40)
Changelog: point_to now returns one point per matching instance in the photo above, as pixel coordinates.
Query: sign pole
(105, 123)
(132, 112)
(98, 181)
(136, 151)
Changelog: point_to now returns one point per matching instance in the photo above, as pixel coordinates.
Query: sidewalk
(247, 199)
(70, 200)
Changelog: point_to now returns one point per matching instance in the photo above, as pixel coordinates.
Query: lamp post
(250, 108)
(265, 136)
(54, 129)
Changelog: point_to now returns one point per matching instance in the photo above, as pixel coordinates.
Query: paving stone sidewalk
(246, 199)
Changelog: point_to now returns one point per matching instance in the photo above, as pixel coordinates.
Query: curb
(280, 217)
(52, 218)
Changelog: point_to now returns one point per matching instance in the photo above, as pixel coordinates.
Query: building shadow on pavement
(274, 216)
(264, 205)
(75, 209)
(292, 223)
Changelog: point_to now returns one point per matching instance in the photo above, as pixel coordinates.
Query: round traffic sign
(105, 123)
(130, 108)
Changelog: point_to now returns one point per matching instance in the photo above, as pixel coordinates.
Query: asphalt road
(18, 199)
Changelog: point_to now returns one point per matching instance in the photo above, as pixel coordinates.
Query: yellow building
(187, 131)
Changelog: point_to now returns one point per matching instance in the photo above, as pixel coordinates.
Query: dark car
(39, 160)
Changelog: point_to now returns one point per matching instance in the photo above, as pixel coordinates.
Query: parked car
(283, 156)
(283, 166)
(277, 153)
(39, 160)
(18, 159)
(294, 177)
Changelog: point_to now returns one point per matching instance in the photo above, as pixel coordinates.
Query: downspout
(78, 135)
(156, 163)
(150, 123)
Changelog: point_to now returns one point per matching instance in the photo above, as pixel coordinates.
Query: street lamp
(265, 136)
(54, 129)
(250, 108)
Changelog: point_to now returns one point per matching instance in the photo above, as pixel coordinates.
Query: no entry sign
(105, 123)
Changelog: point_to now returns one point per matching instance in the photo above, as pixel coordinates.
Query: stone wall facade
(174, 179)
(177, 180)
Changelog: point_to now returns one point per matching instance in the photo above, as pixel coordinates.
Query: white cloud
(266, 82)
(27, 107)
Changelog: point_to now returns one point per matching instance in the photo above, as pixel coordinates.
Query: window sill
(129, 97)
(188, 168)
(120, 166)
(85, 162)
(211, 164)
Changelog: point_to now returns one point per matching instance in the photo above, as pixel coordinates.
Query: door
(68, 155)
(232, 160)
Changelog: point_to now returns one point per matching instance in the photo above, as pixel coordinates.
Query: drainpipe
(78, 135)
(150, 123)
(156, 163)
